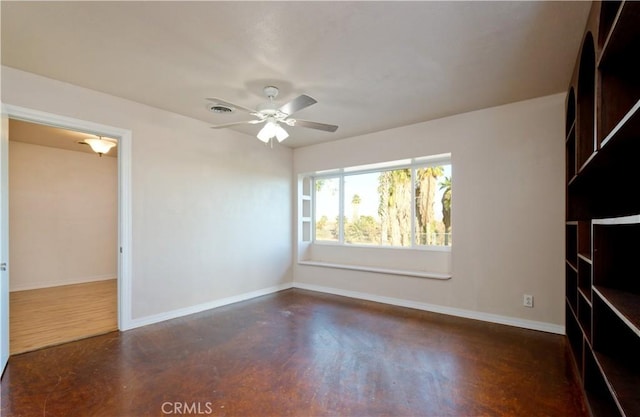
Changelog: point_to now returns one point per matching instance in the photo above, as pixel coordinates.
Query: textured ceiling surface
(371, 65)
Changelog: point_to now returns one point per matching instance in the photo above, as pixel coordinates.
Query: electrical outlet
(527, 300)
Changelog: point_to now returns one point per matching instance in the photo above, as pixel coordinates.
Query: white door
(4, 242)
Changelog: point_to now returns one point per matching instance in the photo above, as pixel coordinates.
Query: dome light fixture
(100, 145)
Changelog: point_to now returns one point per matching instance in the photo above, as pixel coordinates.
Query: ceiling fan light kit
(272, 115)
(270, 130)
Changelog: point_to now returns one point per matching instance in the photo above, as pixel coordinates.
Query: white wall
(211, 209)
(63, 216)
(507, 209)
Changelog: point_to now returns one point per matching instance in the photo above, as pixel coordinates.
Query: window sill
(420, 248)
(391, 271)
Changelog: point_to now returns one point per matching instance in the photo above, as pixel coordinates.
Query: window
(327, 203)
(401, 204)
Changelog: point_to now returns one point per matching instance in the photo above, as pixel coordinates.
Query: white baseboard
(173, 314)
(49, 284)
(458, 312)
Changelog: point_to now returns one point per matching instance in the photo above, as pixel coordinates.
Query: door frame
(124, 137)
(4, 242)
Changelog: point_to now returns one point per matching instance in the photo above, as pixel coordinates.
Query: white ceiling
(371, 65)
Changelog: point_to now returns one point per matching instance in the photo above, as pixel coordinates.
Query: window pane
(361, 201)
(402, 207)
(394, 209)
(327, 208)
(433, 205)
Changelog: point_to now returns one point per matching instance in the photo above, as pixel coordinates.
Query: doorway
(124, 231)
(63, 222)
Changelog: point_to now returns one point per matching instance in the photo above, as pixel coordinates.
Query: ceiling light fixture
(272, 130)
(272, 115)
(100, 145)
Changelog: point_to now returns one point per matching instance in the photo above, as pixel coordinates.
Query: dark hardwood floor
(300, 353)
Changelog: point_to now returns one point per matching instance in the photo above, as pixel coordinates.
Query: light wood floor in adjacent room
(50, 316)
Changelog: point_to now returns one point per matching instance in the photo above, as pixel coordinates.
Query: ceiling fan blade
(232, 105)
(315, 125)
(297, 104)
(249, 122)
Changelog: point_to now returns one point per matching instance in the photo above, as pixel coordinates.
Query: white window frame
(413, 164)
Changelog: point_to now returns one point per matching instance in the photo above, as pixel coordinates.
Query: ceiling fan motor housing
(271, 91)
(269, 109)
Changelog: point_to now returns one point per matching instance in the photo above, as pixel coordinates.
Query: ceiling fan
(271, 114)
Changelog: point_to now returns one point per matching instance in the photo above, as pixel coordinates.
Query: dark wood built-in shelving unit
(602, 230)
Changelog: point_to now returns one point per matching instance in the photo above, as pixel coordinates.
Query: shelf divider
(624, 304)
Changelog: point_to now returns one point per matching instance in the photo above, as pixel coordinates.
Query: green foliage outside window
(378, 207)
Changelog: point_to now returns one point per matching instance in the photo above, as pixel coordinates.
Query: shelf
(585, 296)
(571, 244)
(624, 304)
(618, 221)
(603, 405)
(584, 240)
(617, 158)
(571, 131)
(571, 155)
(307, 183)
(623, 382)
(306, 233)
(305, 191)
(584, 277)
(602, 154)
(584, 315)
(571, 286)
(618, 70)
(608, 13)
(584, 258)
(599, 394)
(570, 120)
(616, 347)
(623, 35)
(571, 314)
(574, 334)
(306, 208)
(585, 128)
(584, 166)
(616, 247)
(627, 129)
